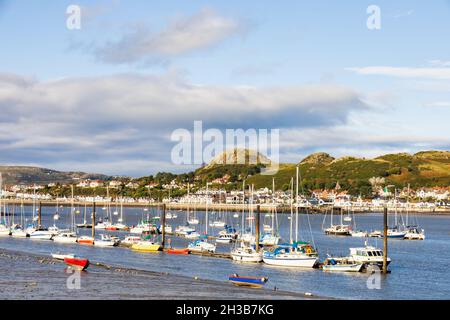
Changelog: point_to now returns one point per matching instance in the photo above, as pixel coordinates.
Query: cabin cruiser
(268, 240)
(368, 255)
(184, 230)
(225, 238)
(358, 233)
(414, 233)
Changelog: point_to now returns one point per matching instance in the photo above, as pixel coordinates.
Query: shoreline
(234, 207)
(35, 276)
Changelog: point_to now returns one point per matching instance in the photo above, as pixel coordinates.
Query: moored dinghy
(77, 263)
(252, 282)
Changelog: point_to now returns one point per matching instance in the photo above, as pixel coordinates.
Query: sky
(107, 97)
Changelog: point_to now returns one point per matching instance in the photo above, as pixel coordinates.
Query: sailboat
(245, 251)
(18, 231)
(5, 230)
(119, 225)
(413, 232)
(296, 253)
(84, 224)
(201, 245)
(68, 236)
(271, 238)
(337, 229)
(397, 231)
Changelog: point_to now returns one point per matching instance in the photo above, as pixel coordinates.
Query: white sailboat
(245, 250)
(68, 236)
(294, 254)
(5, 230)
(203, 244)
(413, 231)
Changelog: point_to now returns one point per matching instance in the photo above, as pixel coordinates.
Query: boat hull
(77, 263)
(286, 261)
(178, 251)
(143, 247)
(343, 268)
(246, 257)
(247, 281)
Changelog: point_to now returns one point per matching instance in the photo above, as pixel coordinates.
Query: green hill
(319, 171)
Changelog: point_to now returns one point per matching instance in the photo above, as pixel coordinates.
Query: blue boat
(251, 282)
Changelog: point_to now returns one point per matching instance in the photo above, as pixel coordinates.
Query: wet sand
(29, 276)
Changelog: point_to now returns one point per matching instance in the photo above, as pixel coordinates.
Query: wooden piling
(258, 211)
(93, 220)
(39, 214)
(163, 226)
(385, 239)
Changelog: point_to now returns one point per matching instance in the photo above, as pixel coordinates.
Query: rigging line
(307, 214)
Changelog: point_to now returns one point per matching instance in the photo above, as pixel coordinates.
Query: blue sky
(106, 98)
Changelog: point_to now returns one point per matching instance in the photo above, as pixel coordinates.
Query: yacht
(66, 237)
(201, 246)
(368, 255)
(414, 233)
(246, 253)
(297, 254)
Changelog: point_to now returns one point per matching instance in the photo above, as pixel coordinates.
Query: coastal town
(421, 200)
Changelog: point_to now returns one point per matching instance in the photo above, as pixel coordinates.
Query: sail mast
(296, 207)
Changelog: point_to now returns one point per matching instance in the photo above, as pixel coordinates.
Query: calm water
(419, 268)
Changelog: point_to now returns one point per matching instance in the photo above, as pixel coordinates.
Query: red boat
(77, 263)
(178, 251)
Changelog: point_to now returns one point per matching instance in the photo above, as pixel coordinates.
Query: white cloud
(438, 104)
(116, 119)
(404, 72)
(184, 34)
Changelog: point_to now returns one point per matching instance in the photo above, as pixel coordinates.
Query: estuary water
(419, 269)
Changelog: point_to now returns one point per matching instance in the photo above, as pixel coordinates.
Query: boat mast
(206, 209)
(243, 209)
(72, 216)
(296, 207)
(292, 210)
(273, 205)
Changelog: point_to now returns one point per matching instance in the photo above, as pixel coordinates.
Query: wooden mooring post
(258, 212)
(93, 220)
(163, 226)
(385, 239)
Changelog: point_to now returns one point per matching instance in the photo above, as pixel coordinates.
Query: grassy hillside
(424, 169)
(28, 175)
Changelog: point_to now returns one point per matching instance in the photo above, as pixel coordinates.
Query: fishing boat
(66, 237)
(252, 282)
(77, 263)
(86, 240)
(341, 265)
(202, 245)
(105, 241)
(368, 255)
(298, 254)
(178, 251)
(146, 246)
(62, 256)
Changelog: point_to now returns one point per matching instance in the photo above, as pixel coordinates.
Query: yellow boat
(146, 246)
